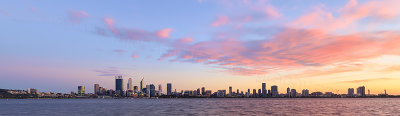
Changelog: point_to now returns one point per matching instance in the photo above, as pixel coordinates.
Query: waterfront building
(141, 86)
(288, 92)
(230, 91)
(237, 92)
(198, 91)
(119, 85)
(350, 92)
(129, 85)
(264, 89)
(169, 89)
(152, 90)
(203, 91)
(259, 93)
(274, 91)
(148, 90)
(135, 89)
(254, 93)
(361, 91)
(96, 89)
(304, 92)
(293, 93)
(81, 90)
(159, 89)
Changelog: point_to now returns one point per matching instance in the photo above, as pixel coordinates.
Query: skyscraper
(230, 91)
(264, 90)
(361, 91)
(148, 90)
(274, 91)
(159, 89)
(350, 92)
(288, 92)
(293, 93)
(254, 93)
(259, 93)
(152, 90)
(305, 92)
(129, 85)
(141, 85)
(203, 91)
(169, 89)
(81, 90)
(96, 89)
(119, 88)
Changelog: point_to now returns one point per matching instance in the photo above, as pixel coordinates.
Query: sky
(319, 45)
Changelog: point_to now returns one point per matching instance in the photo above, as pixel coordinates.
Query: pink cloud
(221, 20)
(77, 16)
(186, 40)
(110, 25)
(272, 12)
(134, 56)
(164, 33)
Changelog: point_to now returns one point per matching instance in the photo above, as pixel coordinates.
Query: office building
(96, 89)
(152, 90)
(129, 85)
(293, 93)
(141, 86)
(119, 88)
(135, 89)
(81, 90)
(230, 91)
(361, 91)
(169, 89)
(159, 89)
(288, 92)
(274, 91)
(305, 92)
(254, 93)
(259, 93)
(203, 91)
(148, 90)
(264, 89)
(350, 92)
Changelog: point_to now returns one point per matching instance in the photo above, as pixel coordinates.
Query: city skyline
(317, 45)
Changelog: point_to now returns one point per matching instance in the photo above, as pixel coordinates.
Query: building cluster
(150, 90)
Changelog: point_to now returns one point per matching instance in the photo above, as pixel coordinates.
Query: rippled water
(155, 107)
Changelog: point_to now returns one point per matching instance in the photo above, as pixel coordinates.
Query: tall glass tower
(119, 85)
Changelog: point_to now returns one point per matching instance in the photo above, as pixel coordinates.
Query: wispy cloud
(78, 16)
(369, 80)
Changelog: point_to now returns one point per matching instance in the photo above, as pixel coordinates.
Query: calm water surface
(156, 107)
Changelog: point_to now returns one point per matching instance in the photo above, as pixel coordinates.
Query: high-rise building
(350, 92)
(274, 91)
(148, 90)
(159, 89)
(81, 90)
(135, 89)
(203, 91)
(361, 91)
(254, 93)
(288, 92)
(152, 90)
(119, 88)
(259, 93)
(141, 86)
(29, 91)
(169, 89)
(293, 93)
(129, 85)
(237, 91)
(264, 89)
(230, 91)
(305, 92)
(198, 91)
(96, 89)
